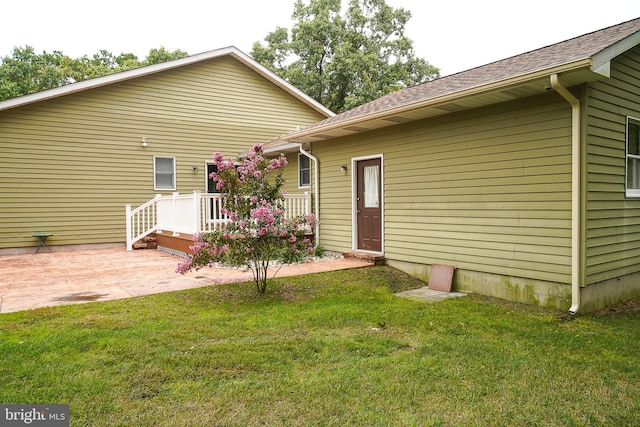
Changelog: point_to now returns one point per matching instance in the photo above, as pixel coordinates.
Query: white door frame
(354, 205)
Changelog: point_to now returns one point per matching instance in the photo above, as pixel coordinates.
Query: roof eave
(111, 79)
(286, 147)
(164, 66)
(580, 65)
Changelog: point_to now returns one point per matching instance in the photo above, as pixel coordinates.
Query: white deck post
(173, 209)
(128, 228)
(197, 214)
(155, 213)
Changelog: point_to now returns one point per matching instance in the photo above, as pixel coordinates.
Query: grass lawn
(331, 349)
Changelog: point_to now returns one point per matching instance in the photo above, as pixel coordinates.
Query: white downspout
(315, 190)
(575, 190)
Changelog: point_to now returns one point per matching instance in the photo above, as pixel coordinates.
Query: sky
(453, 35)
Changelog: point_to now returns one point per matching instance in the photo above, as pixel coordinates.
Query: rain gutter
(316, 176)
(443, 99)
(575, 190)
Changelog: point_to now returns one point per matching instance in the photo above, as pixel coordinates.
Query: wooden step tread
(376, 259)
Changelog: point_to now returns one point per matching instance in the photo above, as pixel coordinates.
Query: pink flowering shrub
(258, 232)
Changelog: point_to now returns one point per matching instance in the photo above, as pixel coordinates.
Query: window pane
(164, 164)
(164, 180)
(165, 173)
(371, 178)
(633, 174)
(304, 171)
(633, 135)
(305, 177)
(211, 184)
(304, 162)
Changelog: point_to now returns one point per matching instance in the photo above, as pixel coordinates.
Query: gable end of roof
(602, 59)
(165, 66)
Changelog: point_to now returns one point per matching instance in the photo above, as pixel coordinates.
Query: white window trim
(300, 184)
(155, 181)
(629, 192)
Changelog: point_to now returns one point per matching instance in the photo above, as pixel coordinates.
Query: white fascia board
(280, 82)
(111, 78)
(289, 146)
(602, 59)
(156, 68)
(444, 99)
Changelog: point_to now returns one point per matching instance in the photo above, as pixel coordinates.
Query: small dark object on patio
(42, 237)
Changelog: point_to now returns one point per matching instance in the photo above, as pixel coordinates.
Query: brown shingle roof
(576, 49)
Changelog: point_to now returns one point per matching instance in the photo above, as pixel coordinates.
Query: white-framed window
(304, 171)
(633, 157)
(164, 173)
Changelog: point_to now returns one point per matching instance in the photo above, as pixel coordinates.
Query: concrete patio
(30, 281)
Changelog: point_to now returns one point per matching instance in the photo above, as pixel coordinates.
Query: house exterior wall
(612, 221)
(69, 165)
(487, 191)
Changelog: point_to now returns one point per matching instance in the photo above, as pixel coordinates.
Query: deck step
(375, 259)
(149, 242)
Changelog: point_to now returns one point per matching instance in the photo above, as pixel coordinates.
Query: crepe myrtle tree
(257, 232)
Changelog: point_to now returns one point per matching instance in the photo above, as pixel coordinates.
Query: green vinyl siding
(612, 227)
(486, 190)
(69, 165)
(335, 192)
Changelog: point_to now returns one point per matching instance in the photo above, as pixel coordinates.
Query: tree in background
(258, 231)
(26, 72)
(345, 61)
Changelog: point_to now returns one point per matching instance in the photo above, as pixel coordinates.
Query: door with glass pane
(213, 210)
(369, 205)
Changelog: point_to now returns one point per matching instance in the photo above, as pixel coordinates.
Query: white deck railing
(191, 214)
